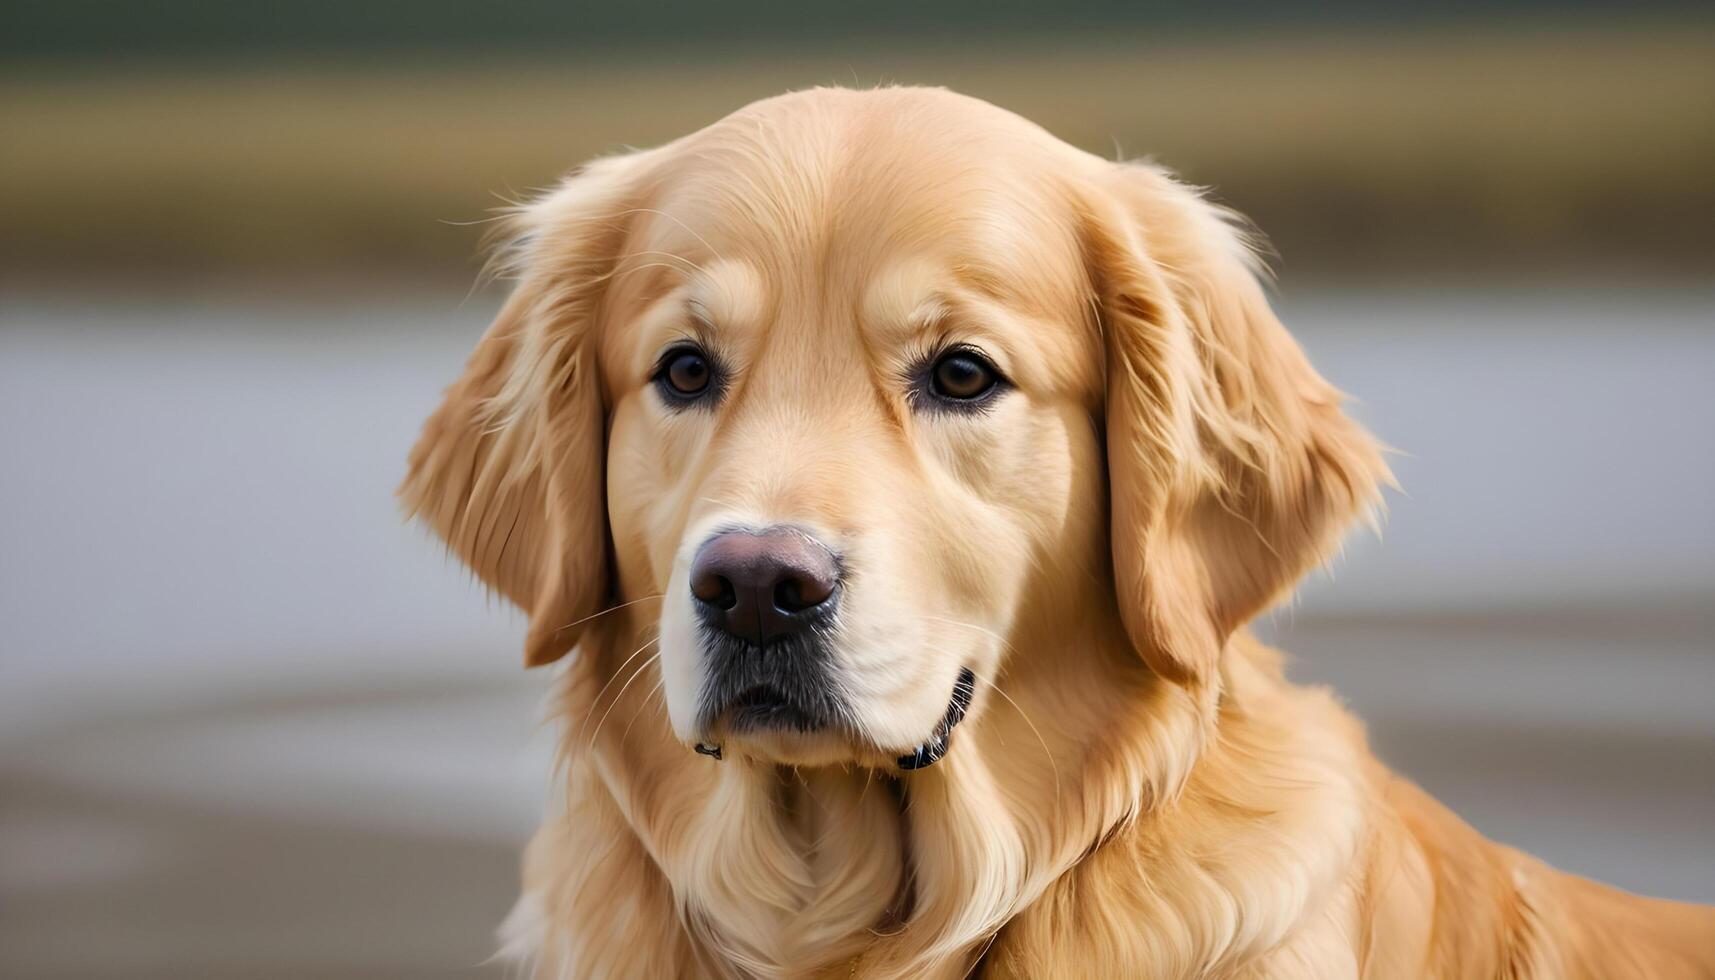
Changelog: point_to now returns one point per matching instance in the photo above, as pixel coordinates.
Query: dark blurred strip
(104, 28)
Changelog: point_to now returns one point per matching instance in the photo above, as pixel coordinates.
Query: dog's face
(851, 438)
(850, 387)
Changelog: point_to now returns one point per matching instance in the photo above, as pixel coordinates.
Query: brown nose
(763, 585)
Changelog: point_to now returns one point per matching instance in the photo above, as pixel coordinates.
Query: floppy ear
(509, 471)
(1232, 469)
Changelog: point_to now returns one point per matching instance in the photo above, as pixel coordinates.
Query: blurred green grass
(1463, 153)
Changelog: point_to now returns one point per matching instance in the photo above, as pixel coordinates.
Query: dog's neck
(790, 872)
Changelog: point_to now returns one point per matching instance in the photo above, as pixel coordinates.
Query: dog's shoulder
(1491, 910)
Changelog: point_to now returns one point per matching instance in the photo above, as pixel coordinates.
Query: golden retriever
(904, 479)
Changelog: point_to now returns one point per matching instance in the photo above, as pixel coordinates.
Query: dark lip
(932, 750)
(764, 707)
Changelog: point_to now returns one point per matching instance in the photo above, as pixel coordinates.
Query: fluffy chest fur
(1281, 849)
(1145, 868)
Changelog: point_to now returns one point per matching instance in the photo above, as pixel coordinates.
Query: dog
(904, 479)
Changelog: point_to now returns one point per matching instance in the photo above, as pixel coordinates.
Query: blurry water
(200, 498)
(1551, 447)
(212, 617)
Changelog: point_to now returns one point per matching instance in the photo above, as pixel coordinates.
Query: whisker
(973, 626)
(694, 267)
(1052, 762)
(596, 701)
(639, 709)
(618, 273)
(609, 609)
(621, 695)
(688, 228)
(491, 219)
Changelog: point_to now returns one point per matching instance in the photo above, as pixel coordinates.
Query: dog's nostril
(794, 594)
(726, 596)
(716, 590)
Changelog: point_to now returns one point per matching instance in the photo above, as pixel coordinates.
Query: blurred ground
(250, 725)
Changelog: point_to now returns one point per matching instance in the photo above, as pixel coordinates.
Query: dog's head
(862, 394)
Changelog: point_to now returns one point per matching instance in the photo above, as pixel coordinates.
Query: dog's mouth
(932, 750)
(764, 707)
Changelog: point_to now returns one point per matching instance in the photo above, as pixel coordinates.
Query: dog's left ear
(1232, 469)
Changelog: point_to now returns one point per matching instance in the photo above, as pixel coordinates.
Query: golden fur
(1137, 791)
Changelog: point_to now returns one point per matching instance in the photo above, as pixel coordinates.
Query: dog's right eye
(960, 379)
(685, 375)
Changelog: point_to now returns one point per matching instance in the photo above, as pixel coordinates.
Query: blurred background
(253, 725)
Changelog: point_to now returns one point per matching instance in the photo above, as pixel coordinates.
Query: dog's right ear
(509, 471)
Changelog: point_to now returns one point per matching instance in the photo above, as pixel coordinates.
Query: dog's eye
(963, 376)
(685, 374)
(688, 373)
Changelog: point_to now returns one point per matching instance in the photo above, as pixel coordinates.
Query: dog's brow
(700, 318)
(929, 314)
(723, 295)
(904, 298)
